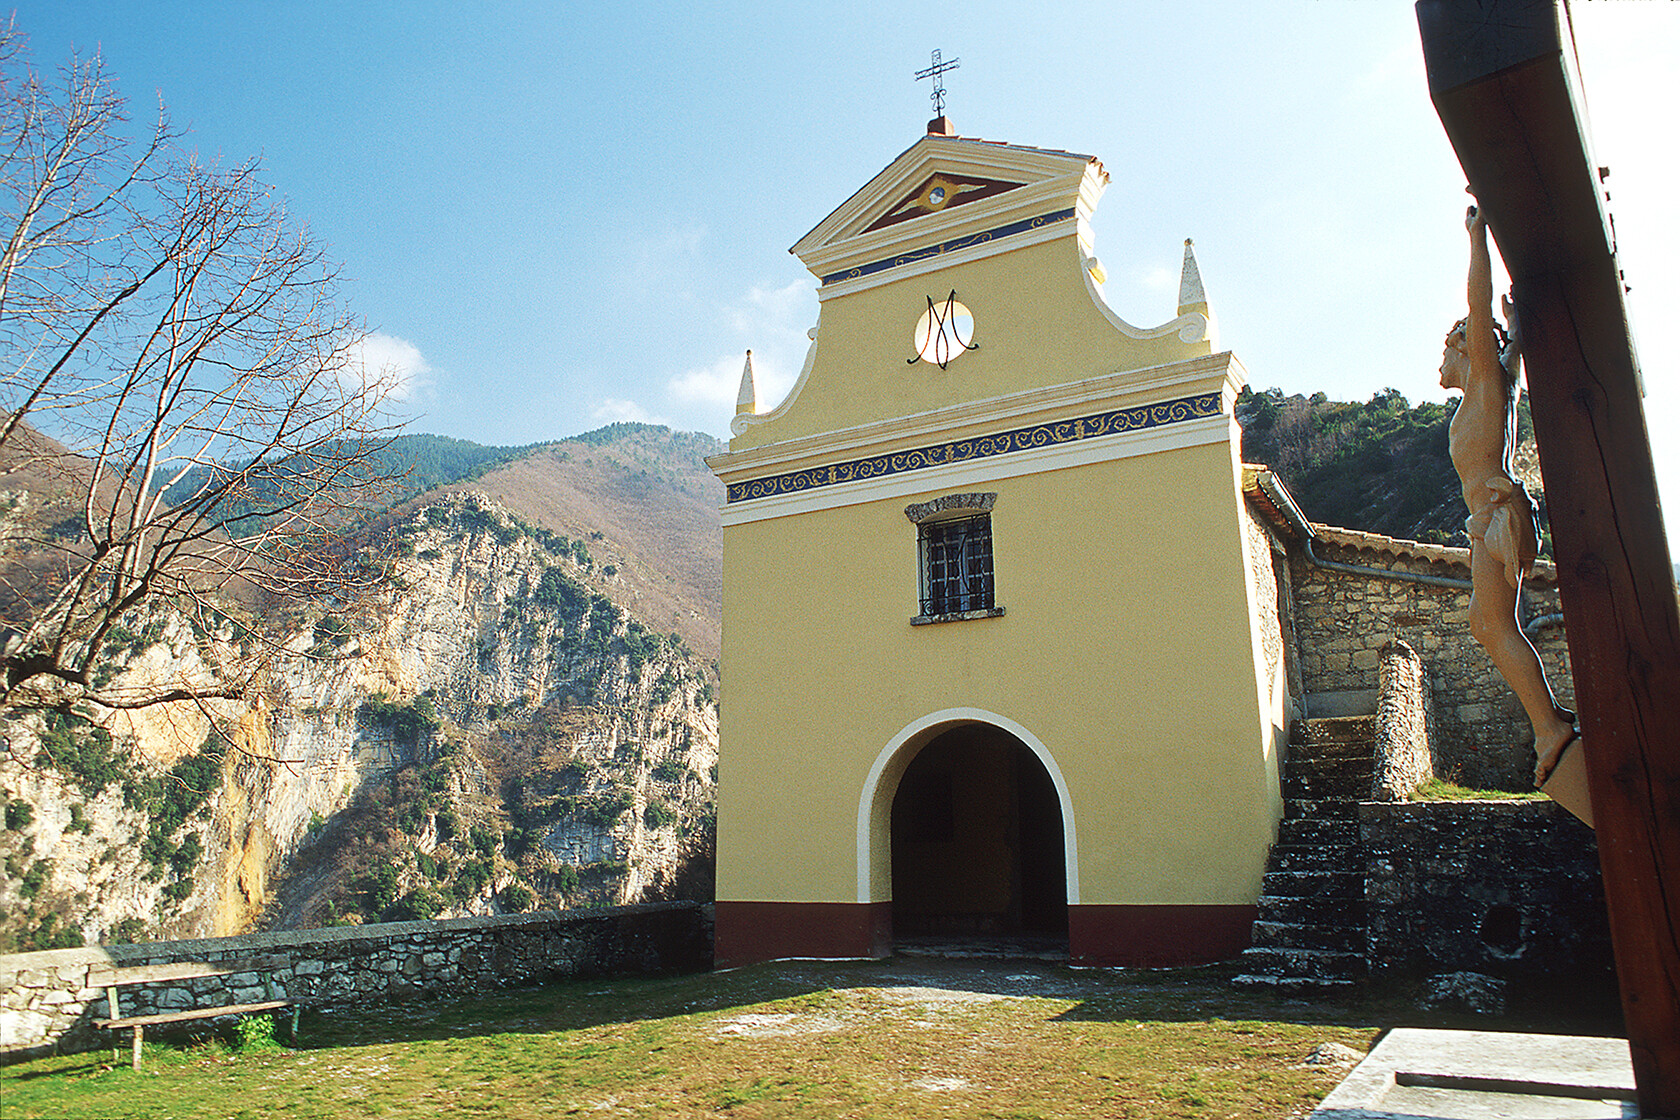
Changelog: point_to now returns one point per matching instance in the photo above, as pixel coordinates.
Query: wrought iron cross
(939, 67)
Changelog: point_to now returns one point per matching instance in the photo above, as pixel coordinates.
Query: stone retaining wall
(1510, 889)
(1480, 736)
(46, 1003)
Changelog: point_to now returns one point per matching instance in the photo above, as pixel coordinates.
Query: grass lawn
(902, 1038)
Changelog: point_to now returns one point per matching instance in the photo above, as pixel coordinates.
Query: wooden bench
(113, 979)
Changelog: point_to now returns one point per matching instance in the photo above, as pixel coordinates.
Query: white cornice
(1127, 388)
(938, 262)
(975, 472)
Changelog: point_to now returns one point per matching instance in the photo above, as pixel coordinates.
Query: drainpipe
(1293, 514)
(1539, 622)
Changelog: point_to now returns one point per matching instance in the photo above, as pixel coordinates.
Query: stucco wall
(46, 1002)
(1131, 662)
(1480, 736)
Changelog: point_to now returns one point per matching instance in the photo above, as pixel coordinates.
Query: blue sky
(558, 215)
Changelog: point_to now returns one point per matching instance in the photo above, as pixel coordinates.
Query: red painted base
(1098, 936)
(1157, 936)
(765, 931)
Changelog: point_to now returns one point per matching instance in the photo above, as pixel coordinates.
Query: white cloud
(1160, 280)
(386, 356)
(612, 410)
(712, 385)
(772, 323)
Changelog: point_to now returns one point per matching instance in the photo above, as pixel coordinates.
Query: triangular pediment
(941, 191)
(946, 185)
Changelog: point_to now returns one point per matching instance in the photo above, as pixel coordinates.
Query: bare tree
(175, 360)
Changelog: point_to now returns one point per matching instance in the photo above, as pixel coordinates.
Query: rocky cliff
(494, 734)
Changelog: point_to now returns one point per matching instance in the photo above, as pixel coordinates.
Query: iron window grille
(957, 565)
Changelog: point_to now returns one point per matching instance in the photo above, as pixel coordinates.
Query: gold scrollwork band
(982, 447)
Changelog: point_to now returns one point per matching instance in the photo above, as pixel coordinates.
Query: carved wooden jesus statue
(1483, 362)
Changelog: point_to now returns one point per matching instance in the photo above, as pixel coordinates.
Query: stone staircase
(1309, 934)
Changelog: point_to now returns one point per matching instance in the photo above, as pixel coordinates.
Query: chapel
(1001, 648)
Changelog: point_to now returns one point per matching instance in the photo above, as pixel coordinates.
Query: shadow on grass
(1096, 995)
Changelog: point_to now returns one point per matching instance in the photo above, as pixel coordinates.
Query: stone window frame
(949, 508)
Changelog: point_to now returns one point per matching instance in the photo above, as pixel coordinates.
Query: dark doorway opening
(977, 849)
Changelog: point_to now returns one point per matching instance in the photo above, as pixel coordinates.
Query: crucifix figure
(938, 68)
(1483, 361)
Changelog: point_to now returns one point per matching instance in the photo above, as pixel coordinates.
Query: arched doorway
(977, 840)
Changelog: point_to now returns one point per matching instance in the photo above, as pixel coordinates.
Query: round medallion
(944, 331)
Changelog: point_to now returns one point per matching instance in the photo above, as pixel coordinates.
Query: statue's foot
(1565, 781)
(1550, 752)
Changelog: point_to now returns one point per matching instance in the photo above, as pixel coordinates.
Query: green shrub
(76, 747)
(415, 906)
(35, 878)
(378, 888)
(19, 815)
(658, 815)
(469, 881)
(670, 770)
(604, 809)
(128, 931)
(515, 898)
(49, 934)
(567, 880)
(255, 1033)
(78, 822)
(406, 722)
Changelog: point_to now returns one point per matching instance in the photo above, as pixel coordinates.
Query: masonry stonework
(1480, 735)
(47, 1005)
(1509, 889)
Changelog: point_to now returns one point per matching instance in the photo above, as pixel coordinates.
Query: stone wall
(1510, 889)
(1481, 737)
(46, 1003)
(1403, 758)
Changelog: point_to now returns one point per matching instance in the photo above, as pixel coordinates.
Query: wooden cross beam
(1502, 75)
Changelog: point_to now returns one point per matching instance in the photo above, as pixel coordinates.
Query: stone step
(1299, 985)
(1340, 729)
(1347, 858)
(1320, 747)
(1313, 884)
(1362, 767)
(1339, 832)
(1291, 935)
(1328, 808)
(1326, 785)
(1314, 964)
(1315, 911)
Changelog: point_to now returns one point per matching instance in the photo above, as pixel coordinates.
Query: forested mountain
(1380, 466)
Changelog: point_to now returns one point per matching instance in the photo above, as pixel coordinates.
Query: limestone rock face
(557, 753)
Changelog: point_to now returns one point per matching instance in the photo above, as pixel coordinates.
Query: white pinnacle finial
(746, 401)
(1193, 301)
(1191, 296)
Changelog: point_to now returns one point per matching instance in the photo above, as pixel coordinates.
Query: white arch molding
(874, 819)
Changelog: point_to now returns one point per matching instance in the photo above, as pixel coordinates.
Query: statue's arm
(1480, 340)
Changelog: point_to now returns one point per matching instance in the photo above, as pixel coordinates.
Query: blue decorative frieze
(1021, 226)
(982, 447)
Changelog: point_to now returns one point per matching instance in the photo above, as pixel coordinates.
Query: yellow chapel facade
(996, 615)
